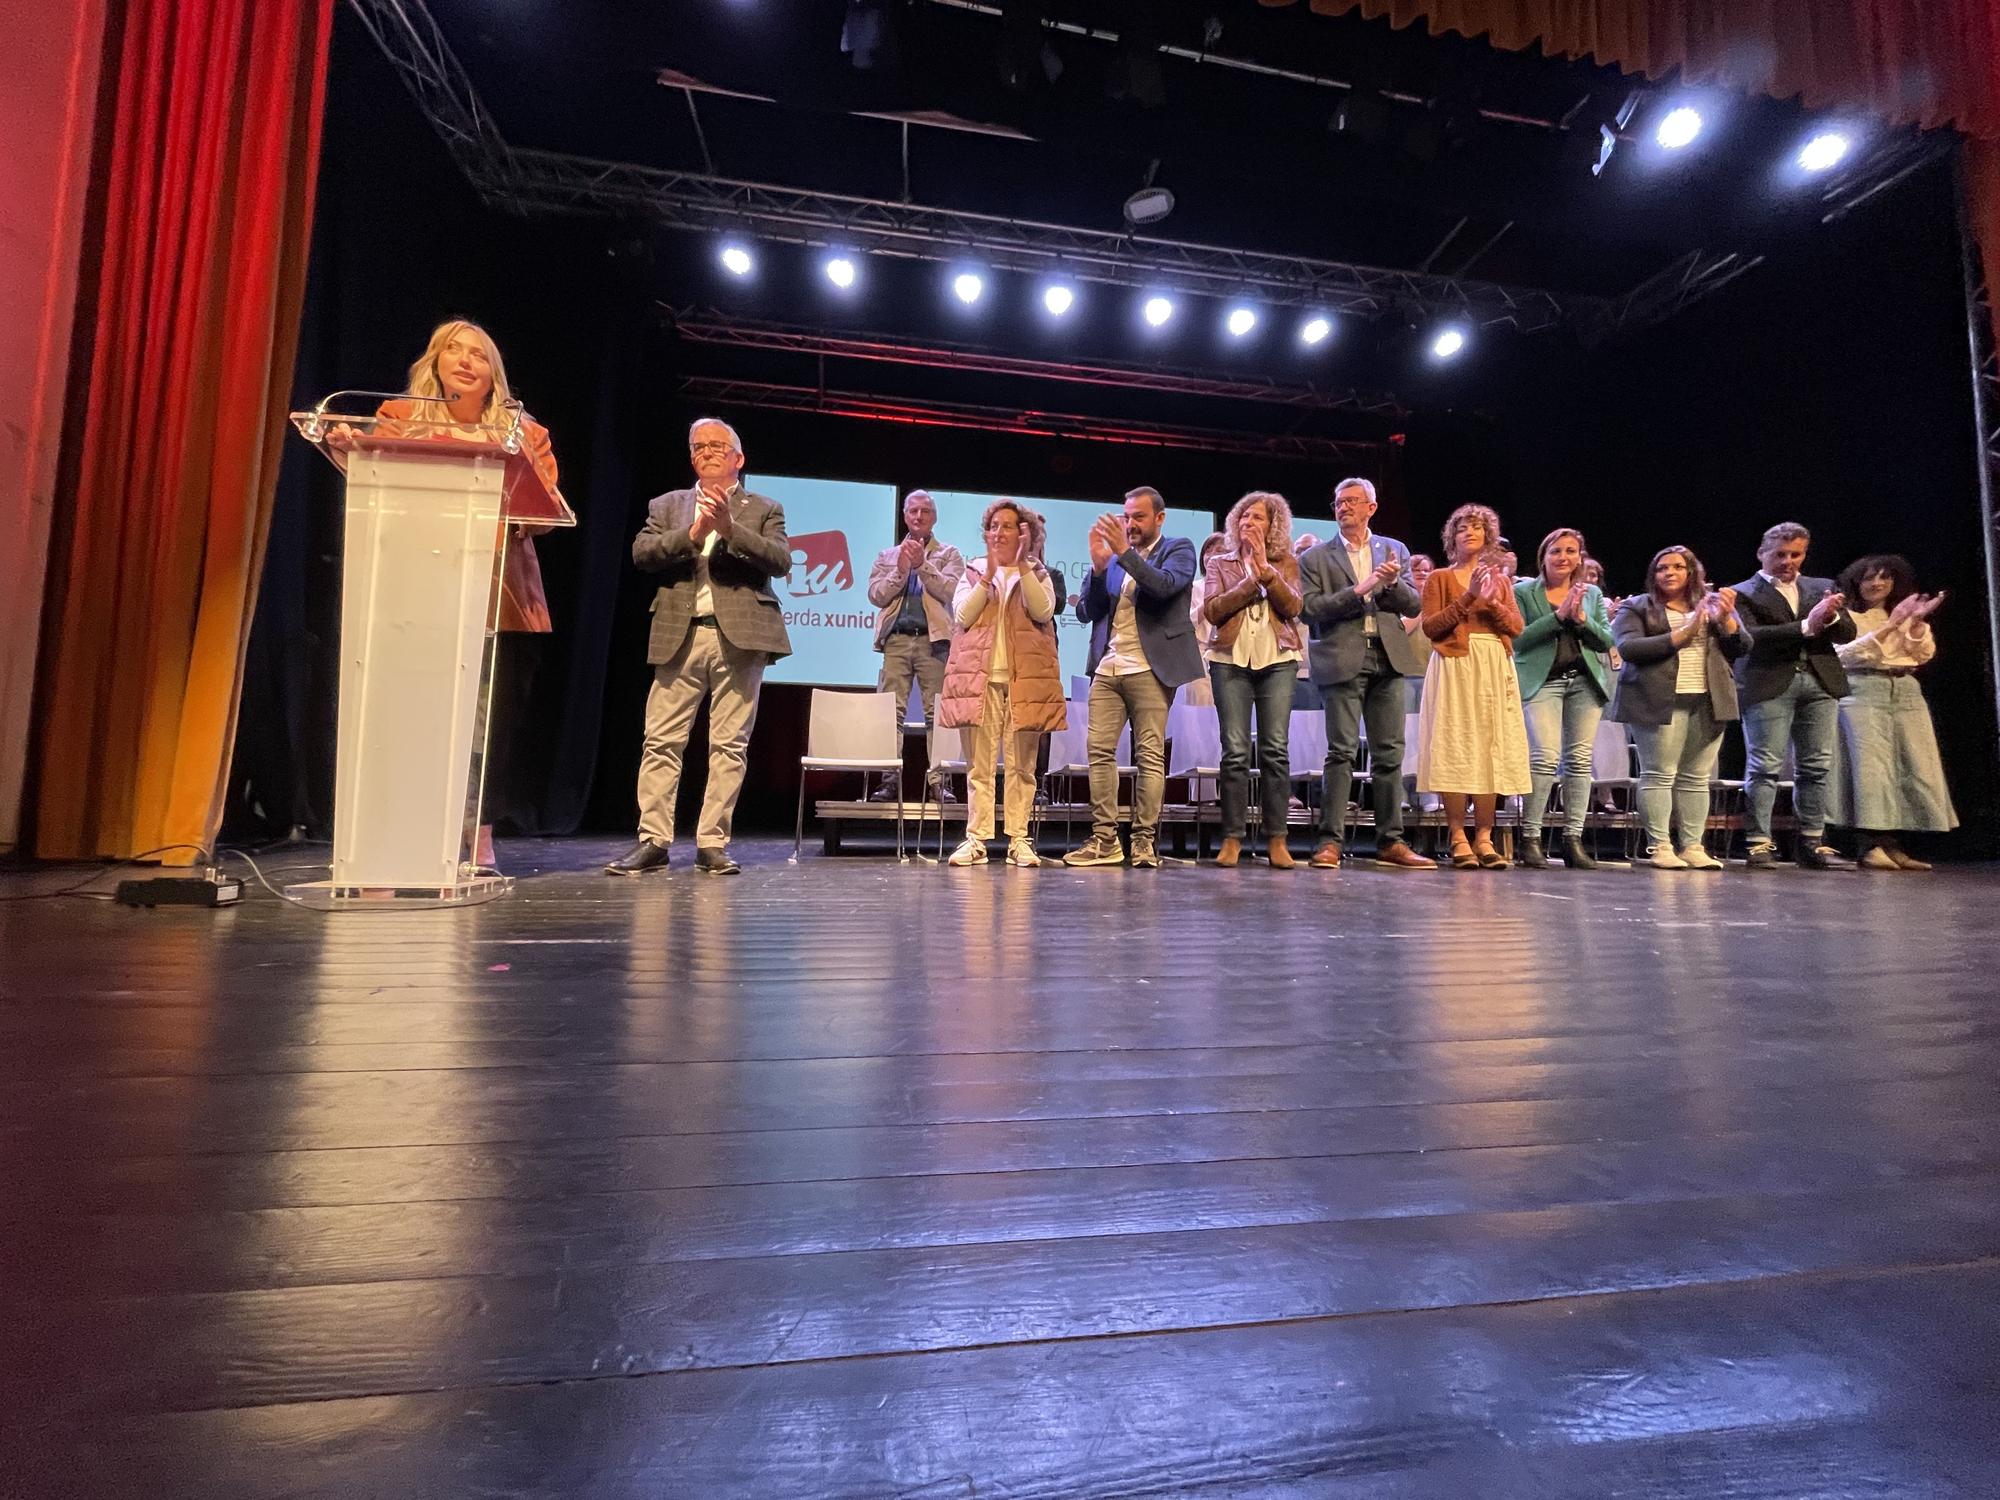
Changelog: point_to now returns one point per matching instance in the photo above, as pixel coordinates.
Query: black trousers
(509, 794)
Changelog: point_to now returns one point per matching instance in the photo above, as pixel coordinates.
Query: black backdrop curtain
(1829, 386)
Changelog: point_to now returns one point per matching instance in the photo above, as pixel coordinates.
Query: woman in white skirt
(1472, 742)
(1887, 778)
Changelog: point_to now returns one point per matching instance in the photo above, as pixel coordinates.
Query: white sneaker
(971, 852)
(1660, 857)
(1021, 852)
(1697, 858)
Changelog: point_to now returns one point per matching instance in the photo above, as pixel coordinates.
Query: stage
(858, 1179)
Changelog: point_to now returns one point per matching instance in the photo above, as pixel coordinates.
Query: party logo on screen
(820, 564)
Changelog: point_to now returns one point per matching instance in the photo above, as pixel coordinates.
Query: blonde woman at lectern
(461, 365)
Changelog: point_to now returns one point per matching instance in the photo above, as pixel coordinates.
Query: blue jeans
(1375, 694)
(1807, 717)
(1562, 730)
(1267, 691)
(1676, 764)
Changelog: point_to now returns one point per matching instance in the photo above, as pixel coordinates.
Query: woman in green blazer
(1559, 658)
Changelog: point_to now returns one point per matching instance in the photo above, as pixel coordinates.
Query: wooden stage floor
(852, 1179)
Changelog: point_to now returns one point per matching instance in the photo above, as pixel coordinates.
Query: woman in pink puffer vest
(1003, 676)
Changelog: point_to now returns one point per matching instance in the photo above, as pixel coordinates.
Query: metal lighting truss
(1984, 359)
(530, 181)
(707, 326)
(553, 182)
(409, 37)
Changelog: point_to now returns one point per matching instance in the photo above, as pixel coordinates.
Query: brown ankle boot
(1229, 853)
(1279, 856)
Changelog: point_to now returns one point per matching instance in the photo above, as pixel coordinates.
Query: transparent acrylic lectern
(429, 508)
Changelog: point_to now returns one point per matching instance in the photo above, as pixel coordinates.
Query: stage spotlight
(1158, 310)
(1679, 128)
(1315, 330)
(1241, 321)
(1824, 151)
(1058, 299)
(1448, 344)
(968, 287)
(737, 261)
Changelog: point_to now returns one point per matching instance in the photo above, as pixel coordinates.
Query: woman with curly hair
(1002, 676)
(1887, 777)
(1471, 739)
(1251, 601)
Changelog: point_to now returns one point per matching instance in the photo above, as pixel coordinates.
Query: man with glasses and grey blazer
(716, 625)
(1357, 592)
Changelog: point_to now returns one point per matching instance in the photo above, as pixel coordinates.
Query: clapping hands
(1822, 614)
(1107, 540)
(1916, 608)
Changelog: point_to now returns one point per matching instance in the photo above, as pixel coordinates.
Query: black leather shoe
(715, 862)
(888, 791)
(646, 855)
(1575, 856)
(1761, 857)
(1532, 855)
(1820, 857)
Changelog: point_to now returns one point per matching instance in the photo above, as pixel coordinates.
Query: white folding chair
(851, 732)
(1305, 753)
(1614, 768)
(1194, 750)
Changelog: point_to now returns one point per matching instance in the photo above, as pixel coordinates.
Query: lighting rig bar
(554, 182)
(720, 391)
(704, 326)
(528, 181)
(1693, 276)
(409, 37)
(1983, 348)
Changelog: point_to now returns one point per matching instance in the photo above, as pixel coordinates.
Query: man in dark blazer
(716, 626)
(1790, 683)
(1356, 595)
(1142, 647)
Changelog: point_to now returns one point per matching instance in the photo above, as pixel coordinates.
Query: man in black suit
(1790, 683)
(716, 626)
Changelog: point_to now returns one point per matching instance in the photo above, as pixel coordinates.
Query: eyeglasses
(700, 448)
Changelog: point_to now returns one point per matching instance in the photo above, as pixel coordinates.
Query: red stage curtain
(1920, 62)
(212, 149)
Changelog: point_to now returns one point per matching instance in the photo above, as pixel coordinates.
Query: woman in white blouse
(1675, 691)
(1887, 778)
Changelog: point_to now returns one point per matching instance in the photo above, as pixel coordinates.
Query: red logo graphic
(820, 564)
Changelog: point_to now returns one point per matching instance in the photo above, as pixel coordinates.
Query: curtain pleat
(209, 180)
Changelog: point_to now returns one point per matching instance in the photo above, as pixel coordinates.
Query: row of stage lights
(1678, 129)
(1681, 126)
(969, 287)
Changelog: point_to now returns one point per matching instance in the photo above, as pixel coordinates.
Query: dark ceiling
(1460, 159)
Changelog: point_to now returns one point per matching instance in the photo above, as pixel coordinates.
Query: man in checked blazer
(1356, 592)
(716, 626)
